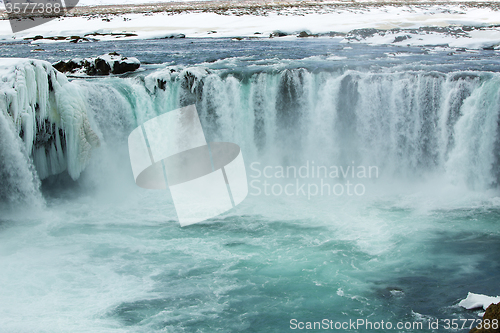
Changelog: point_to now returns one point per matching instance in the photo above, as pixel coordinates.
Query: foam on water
(105, 255)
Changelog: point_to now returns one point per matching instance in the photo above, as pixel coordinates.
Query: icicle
(39, 101)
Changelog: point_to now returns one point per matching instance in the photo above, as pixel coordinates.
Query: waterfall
(409, 124)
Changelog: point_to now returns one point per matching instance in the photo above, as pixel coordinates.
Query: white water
(410, 125)
(104, 255)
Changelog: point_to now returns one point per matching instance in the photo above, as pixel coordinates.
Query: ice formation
(39, 106)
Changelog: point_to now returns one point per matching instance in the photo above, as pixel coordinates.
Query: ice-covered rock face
(46, 114)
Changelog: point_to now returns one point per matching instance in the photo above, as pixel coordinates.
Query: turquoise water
(84, 266)
(102, 255)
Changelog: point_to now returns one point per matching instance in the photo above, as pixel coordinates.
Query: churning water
(91, 252)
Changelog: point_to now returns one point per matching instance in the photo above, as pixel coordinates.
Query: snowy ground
(396, 23)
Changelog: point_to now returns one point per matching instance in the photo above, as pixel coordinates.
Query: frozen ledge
(48, 113)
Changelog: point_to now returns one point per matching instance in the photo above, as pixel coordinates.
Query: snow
(111, 58)
(124, 2)
(474, 301)
(34, 96)
(151, 80)
(473, 40)
(317, 20)
(130, 2)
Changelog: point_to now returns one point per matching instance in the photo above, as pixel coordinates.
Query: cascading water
(106, 255)
(407, 124)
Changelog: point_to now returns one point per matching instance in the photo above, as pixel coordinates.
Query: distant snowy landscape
(453, 25)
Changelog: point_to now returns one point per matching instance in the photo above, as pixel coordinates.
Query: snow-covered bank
(401, 24)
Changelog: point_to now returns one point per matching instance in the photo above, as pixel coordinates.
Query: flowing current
(85, 250)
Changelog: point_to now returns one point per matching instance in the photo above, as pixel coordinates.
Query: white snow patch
(151, 81)
(111, 58)
(474, 301)
(293, 21)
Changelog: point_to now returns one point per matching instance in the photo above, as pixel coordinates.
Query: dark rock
(277, 34)
(113, 34)
(306, 34)
(364, 33)
(57, 38)
(177, 36)
(401, 38)
(161, 84)
(111, 63)
(49, 79)
(491, 48)
(77, 39)
(120, 67)
(492, 313)
(46, 135)
(68, 66)
(336, 34)
(101, 67)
